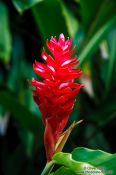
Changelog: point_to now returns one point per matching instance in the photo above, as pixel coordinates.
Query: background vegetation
(24, 27)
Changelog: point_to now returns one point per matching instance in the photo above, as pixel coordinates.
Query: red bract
(55, 94)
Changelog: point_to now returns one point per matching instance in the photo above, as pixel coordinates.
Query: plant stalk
(48, 168)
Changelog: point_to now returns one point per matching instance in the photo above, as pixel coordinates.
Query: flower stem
(48, 168)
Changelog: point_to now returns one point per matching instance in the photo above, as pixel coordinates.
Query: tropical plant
(24, 28)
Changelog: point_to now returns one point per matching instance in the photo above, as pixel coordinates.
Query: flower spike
(55, 94)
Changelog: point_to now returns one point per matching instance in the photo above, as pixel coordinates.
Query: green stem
(48, 168)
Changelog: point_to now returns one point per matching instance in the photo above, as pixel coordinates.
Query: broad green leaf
(77, 167)
(5, 35)
(24, 5)
(26, 118)
(86, 161)
(50, 19)
(91, 156)
(95, 40)
(97, 158)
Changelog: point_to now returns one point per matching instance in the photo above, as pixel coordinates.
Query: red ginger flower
(55, 94)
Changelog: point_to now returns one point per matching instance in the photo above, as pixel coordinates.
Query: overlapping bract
(55, 94)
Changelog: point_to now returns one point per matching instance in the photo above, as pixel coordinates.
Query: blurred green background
(24, 27)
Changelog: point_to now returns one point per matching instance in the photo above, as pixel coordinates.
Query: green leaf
(19, 64)
(97, 25)
(50, 19)
(77, 167)
(71, 21)
(29, 102)
(93, 21)
(91, 156)
(95, 40)
(26, 118)
(111, 60)
(24, 5)
(16, 66)
(5, 35)
(97, 158)
(86, 161)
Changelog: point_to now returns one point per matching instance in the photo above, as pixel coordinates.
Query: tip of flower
(62, 36)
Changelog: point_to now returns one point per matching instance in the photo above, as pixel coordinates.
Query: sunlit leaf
(97, 158)
(78, 167)
(84, 161)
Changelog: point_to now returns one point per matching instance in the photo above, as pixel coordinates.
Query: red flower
(55, 94)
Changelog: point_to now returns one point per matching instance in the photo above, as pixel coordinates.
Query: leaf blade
(21, 6)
